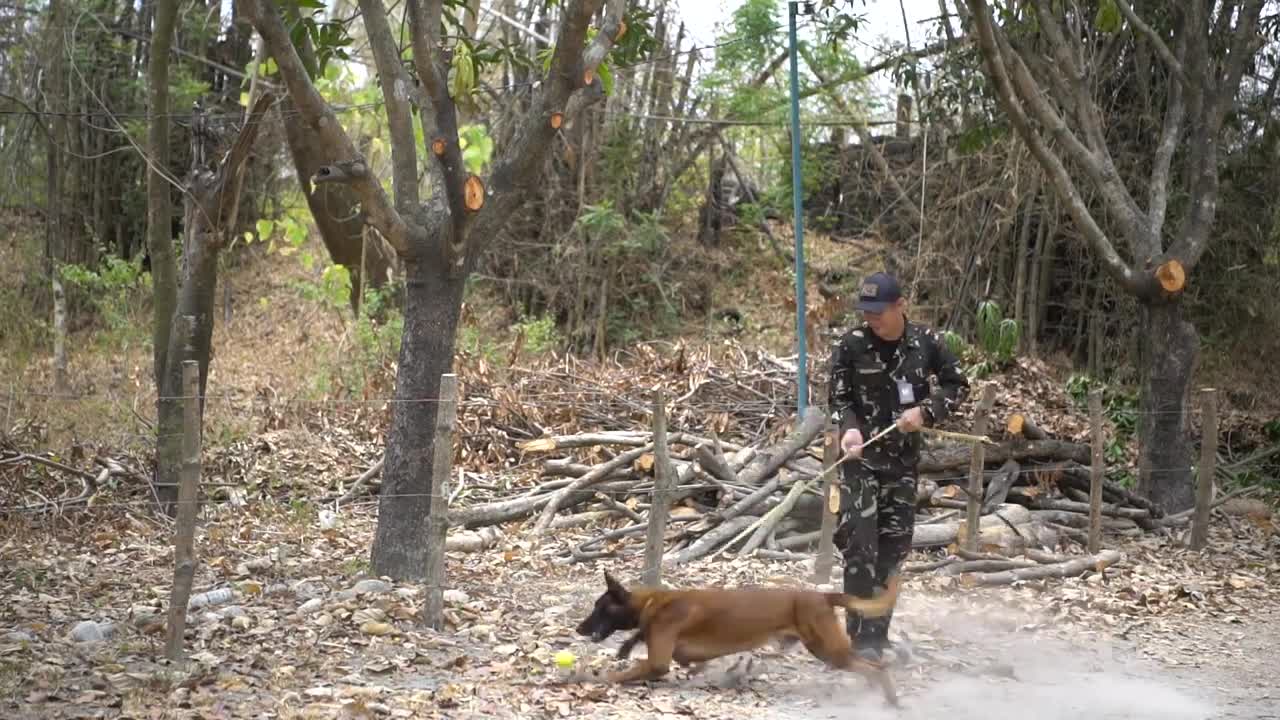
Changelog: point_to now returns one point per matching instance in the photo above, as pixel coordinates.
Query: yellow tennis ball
(565, 659)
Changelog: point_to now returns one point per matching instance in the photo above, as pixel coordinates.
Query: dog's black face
(612, 612)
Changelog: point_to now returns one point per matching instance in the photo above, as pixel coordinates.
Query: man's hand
(911, 420)
(851, 443)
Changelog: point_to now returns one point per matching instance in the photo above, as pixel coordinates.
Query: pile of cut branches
(764, 499)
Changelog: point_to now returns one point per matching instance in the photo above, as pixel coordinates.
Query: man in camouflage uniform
(880, 377)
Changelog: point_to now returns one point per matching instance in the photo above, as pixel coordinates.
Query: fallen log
(470, 541)
(715, 464)
(999, 485)
(566, 467)
(1081, 537)
(940, 534)
(1071, 568)
(1041, 503)
(583, 551)
(621, 438)
(564, 442)
(783, 555)
(521, 506)
(1012, 539)
(946, 458)
(803, 540)
(1079, 520)
(925, 488)
(598, 474)
(1080, 477)
(711, 540)
(928, 566)
(774, 458)
(770, 519)
(987, 566)
(580, 519)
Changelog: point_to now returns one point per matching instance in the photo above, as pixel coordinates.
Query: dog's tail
(876, 606)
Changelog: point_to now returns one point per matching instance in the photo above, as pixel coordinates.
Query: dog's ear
(615, 587)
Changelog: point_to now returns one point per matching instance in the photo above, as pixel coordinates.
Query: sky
(883, 26)
(883, 17)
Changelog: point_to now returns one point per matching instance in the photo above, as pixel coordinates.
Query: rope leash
(833, 501)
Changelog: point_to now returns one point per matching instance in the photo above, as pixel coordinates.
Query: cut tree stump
(1019, 425)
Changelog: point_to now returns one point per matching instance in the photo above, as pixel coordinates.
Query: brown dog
(693, 626)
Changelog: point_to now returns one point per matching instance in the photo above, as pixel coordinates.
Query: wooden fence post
(1208, 463)
(184, 558)
(825, 561)
(1097, 471)
(438, 516)
(8, 411)
(974, 505)
(658, 508)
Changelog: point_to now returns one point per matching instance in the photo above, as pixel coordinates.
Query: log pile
(765, 499)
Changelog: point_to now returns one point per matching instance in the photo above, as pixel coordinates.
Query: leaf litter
(284, 621)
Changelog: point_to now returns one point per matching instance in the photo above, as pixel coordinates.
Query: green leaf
(477, 147)
(296, 233)
(463, 78)
(606, 77)
(1108, 18)
(265, 228)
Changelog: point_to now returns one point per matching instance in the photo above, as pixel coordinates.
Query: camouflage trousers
(877, 517)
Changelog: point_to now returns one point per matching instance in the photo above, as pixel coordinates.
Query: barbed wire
(250, 497)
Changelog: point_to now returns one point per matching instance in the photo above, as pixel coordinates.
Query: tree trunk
(1020, 263)
(211, 207)
(335, 208)
(433, 303)
(164, 272)
(1033, 314)
(1168, 357)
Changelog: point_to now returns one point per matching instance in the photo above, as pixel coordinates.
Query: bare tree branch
(1052, 164)
(232, 167)
(432, 64)
(1173, 60)
(1097, 165)
(1221, 91)
(395, 92)
(608, 35)
(517, 169)
(313, 110)
(1170, 134)
(1071, 69)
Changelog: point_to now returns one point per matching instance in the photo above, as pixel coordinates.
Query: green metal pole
(802, 375)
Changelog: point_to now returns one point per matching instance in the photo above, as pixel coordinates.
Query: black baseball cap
(878, 291)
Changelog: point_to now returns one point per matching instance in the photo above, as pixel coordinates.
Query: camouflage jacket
(869, 394)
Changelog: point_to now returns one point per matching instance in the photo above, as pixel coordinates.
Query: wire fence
(612, 410)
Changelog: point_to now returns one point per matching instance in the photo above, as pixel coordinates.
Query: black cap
(878, 292)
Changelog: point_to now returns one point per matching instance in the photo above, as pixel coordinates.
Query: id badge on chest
(906, 394)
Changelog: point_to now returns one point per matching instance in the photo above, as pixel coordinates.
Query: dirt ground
(964, 664)
(305, 633)
(1218, 674)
